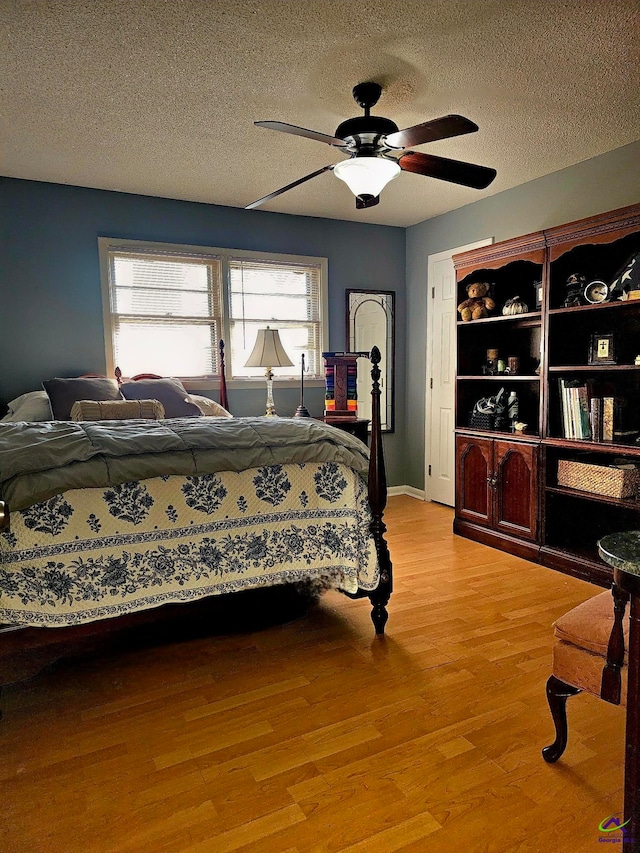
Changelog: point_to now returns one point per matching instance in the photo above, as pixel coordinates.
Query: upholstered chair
(588, 655)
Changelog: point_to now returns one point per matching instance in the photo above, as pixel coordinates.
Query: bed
(108, 525)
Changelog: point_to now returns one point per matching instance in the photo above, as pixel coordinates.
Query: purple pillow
(63, 393)
(170, 392)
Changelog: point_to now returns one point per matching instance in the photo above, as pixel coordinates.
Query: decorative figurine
(514, 306)
(575, 288)
(478, 304)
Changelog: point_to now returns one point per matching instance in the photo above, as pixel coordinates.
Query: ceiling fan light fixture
(367, 176)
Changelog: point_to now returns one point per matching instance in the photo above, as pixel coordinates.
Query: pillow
(170, 392)
(63, 393)
(117, 410)
(32, 406)
(210, 407)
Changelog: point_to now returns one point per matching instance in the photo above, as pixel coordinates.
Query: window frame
(107, 245)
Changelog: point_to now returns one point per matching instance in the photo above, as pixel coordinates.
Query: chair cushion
(588, 626)
(582, 669)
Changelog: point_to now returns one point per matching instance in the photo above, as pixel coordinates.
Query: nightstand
(356, 426)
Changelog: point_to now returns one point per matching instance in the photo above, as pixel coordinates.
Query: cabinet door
(516, 491)
(474, 469)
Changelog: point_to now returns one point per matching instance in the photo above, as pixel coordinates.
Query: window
(166, 308)
(282, 295)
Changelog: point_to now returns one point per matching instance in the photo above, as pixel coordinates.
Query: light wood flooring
(316, 736)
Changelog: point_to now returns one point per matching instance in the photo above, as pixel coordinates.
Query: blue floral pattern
(330, 482)
(10, 538)
(171, 513)
(275, 524)
(129, 502)
(204, 493)
(50, 516)
(272, 484)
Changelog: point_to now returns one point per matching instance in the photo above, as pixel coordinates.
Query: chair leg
(557, 694)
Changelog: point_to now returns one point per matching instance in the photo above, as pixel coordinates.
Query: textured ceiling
(159, 97)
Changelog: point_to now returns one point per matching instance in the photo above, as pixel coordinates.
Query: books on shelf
(586, 417)
(575, 408)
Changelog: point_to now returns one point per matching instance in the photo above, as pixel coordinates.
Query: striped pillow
(116, 410)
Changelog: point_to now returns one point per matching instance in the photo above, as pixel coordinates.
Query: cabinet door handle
(493, 481)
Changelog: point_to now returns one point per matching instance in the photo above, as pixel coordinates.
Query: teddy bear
(478, 304)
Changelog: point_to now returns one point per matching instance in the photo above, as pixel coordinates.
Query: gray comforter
(39, 460)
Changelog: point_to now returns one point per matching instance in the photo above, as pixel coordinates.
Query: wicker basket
(599, 479)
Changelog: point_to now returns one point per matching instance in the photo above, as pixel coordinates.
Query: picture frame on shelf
(602, 348)
(537, 286)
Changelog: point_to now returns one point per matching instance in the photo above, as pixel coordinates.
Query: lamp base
(271, 409)
(301, 412)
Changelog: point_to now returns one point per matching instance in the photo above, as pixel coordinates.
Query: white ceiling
(158, 97)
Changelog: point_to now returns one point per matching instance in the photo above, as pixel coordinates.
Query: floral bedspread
(93, 553)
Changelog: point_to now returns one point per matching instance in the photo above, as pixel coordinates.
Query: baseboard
(410, 491)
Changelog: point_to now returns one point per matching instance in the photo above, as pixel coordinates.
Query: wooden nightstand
(356, 426)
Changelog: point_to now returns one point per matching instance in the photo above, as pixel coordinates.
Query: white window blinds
(166, 312)
(284, 295)
(167, 306)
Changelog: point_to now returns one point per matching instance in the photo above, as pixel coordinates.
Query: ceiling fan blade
(430, 131)
(288, 187)
(366, 201)
(455, 171)
(301, 131)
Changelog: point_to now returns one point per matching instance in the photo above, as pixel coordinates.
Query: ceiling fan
(372, 140)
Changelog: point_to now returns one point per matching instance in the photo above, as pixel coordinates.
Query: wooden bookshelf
(553, 342)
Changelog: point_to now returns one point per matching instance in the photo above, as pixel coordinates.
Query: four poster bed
(107, 524)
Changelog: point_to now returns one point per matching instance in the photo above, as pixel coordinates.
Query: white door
(442, 314)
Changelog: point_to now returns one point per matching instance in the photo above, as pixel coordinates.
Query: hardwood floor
(316, 736)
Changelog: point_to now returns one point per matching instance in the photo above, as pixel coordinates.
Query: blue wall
(51, 303)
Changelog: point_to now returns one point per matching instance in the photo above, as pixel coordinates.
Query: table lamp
(268, 352)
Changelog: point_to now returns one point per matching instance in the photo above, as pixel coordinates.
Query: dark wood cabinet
(474, 470)
(510, 492)
(496, 491)
(515, 467)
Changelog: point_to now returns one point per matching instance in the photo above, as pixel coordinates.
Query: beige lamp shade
(268, 351)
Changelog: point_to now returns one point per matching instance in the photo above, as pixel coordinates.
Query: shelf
(502, 377)
(602, 306)
(593, 368)
(594, 446)
(583, 564)
(532, 318)
(499, 434)
(626, 503)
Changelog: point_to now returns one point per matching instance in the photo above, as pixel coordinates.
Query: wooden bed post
(378, 501)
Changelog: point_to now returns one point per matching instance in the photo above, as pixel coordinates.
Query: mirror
(370, 322)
